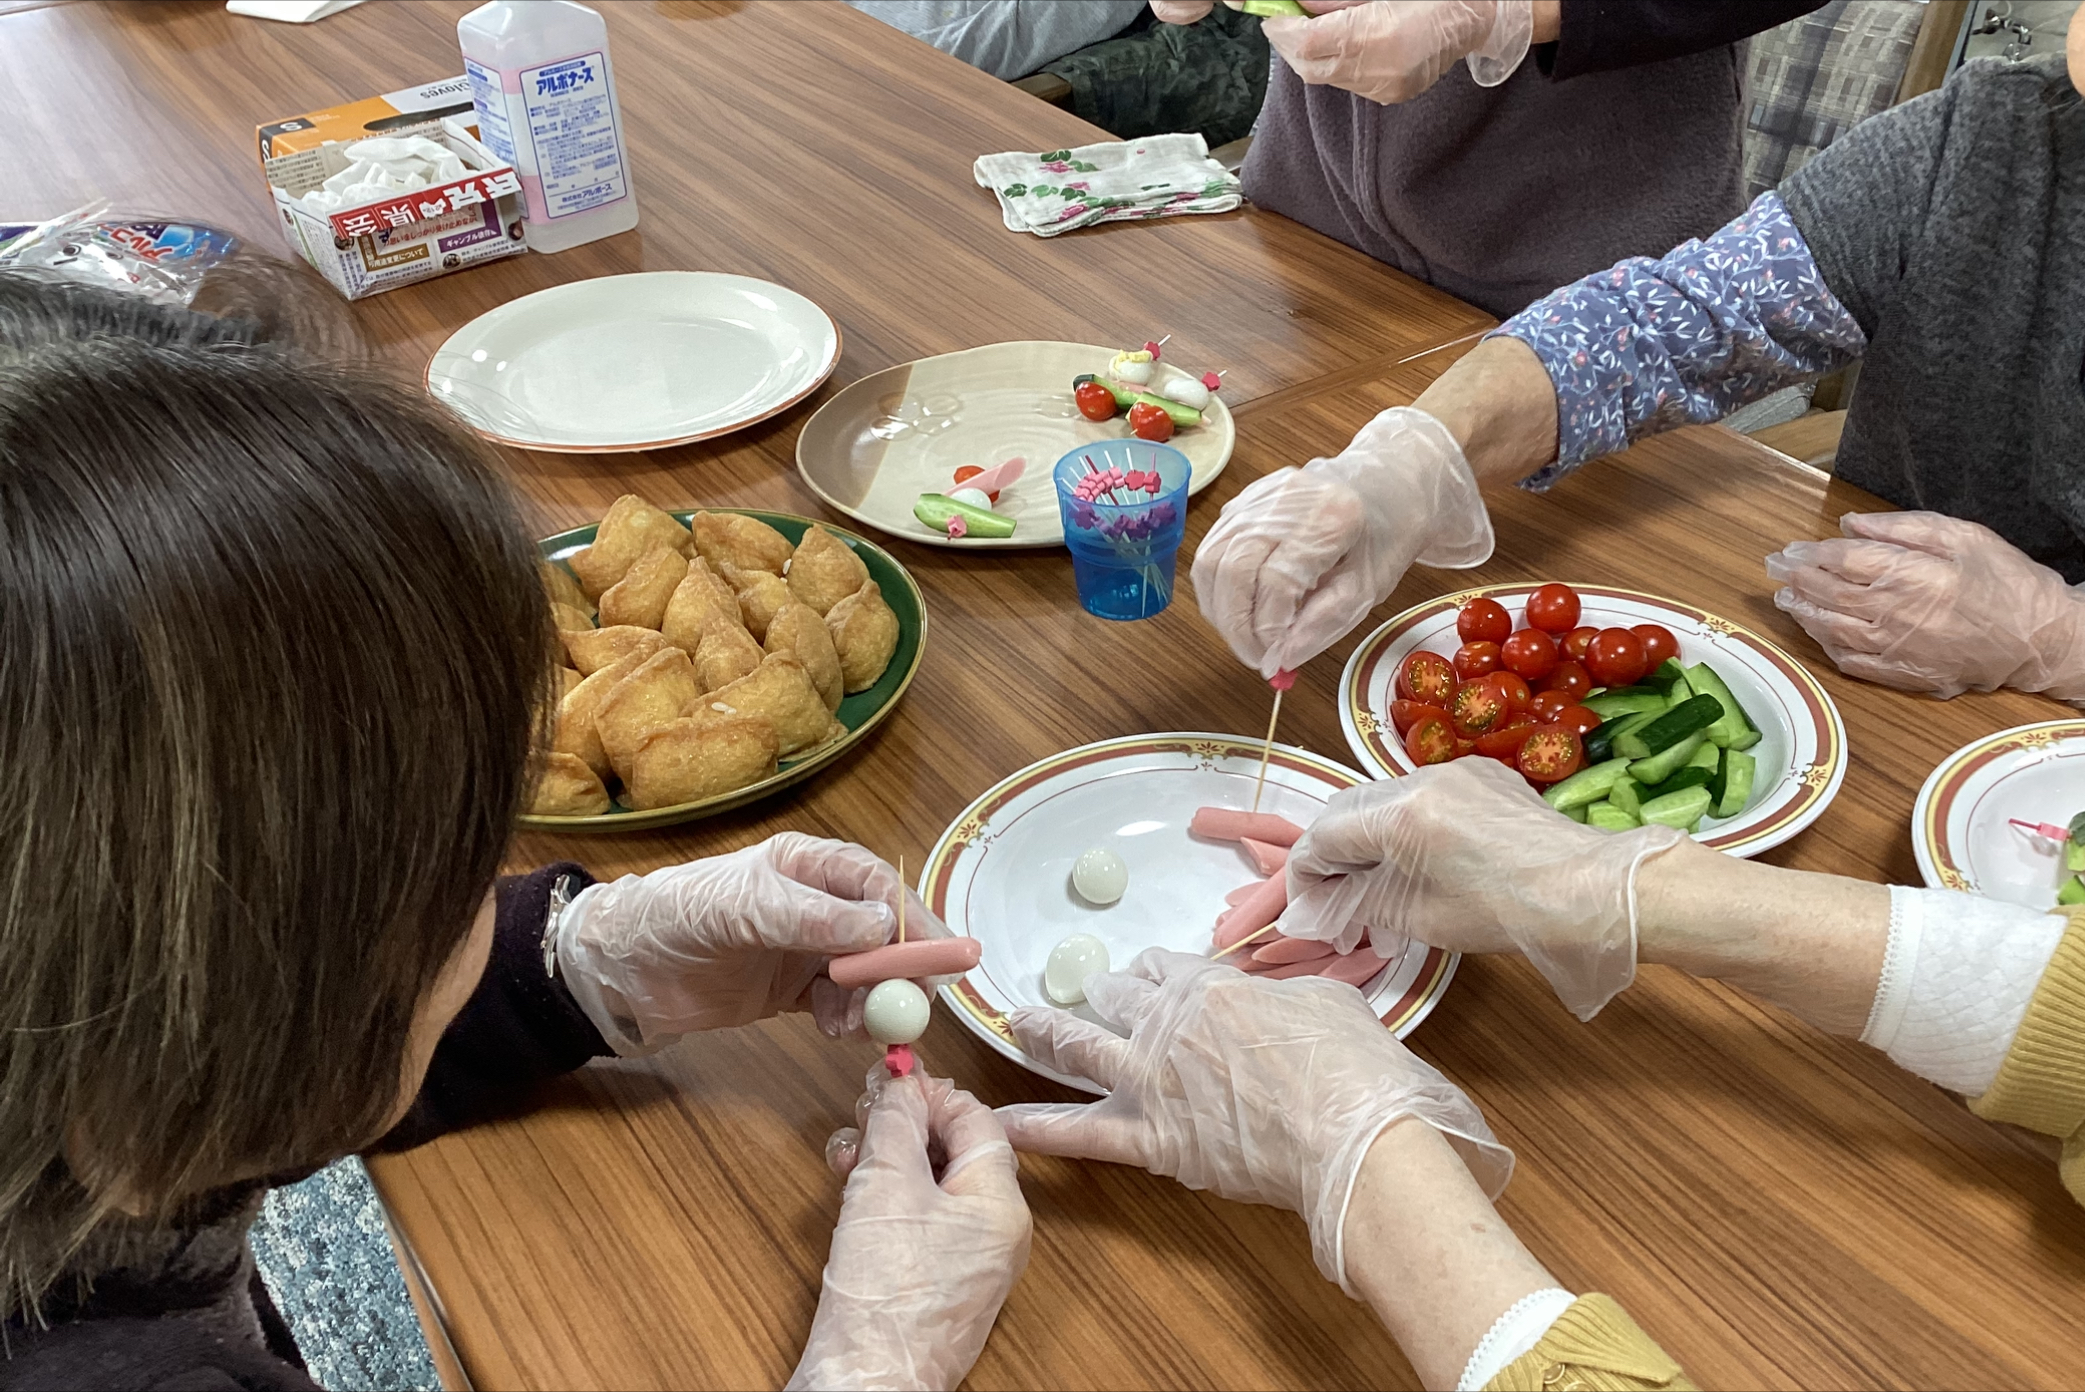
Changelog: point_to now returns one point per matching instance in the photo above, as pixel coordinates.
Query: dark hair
(272, 648)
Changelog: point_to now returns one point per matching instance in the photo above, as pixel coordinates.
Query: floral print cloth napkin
(1063, 190)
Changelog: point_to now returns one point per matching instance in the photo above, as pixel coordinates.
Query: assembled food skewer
(897, 1010)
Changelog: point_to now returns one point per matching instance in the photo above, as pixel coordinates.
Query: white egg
(1099, 876)
(1185, 390)
(1133, 368)
(896, 1012)
(1071, 962)
(973, 497)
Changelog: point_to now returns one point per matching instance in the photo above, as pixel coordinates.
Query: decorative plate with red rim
(1002, 871)
(1961, 828)
(1802, 746)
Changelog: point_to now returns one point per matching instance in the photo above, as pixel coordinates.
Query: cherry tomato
(1484, 621)
(1148, 422)
(1577, 719)
(1096, 402)
(1478, 707)
(1431, 741)
(969, 472)
(1577, 641)
(1547, 705)
(1552, 753)
(1504, 742)
(1426, 677)
(1659, 646)
(1553, 609)
(1405, 714)
(1571, 679)
(1616, 658)
(1474, 660)
(1514, 690)
(1531, 653)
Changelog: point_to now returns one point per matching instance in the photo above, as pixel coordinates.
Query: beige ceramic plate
(876, 446)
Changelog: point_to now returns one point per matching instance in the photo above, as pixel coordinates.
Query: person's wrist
(1666, 929)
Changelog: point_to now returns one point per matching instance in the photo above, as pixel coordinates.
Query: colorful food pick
(1281, 681)
(1071, 961)
(896, 1011)
(1099, 876)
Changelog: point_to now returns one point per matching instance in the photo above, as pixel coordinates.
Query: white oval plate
(1960, 828)
(882, 441)
(634, 362)
(1802, 746)
(1002, 871)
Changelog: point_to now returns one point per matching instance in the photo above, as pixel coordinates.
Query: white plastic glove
(1263, 1091)
(933, 1233)
(730, 940)
(1465, 856)
(1180, 11)
(1301, 556)
(1393, 52)
(1926, 602)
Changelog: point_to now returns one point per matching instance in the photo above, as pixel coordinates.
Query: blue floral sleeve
(1687, 338)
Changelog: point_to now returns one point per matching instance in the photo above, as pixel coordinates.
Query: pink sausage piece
(1280, 950)
(997, 477)
(1229, 824)
(1267, 858)
(1256, 910)
(1357, 968)
(1228, 933)
(1289, 970)
(1237, 896)
(925, 957)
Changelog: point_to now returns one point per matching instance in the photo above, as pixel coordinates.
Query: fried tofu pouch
(701, 755)
(726, 653)
(631, 528)
(575, 732)
(825, 570)
(760, 593)
(865, 634)
(567, 681)
(798, 630)
(568, 788)
(561, 588)
(730, 538)
(639, 598)
(700, 593)
(780, 692)
(591, 649)
(570, 618)
(659, 692)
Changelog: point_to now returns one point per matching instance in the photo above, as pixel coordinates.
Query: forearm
(1429, 1254)
(1501, 407)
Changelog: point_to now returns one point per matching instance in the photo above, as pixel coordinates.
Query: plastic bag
(163, 260)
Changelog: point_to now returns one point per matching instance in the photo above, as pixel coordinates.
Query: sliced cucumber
(1689, 776)
(2071, 891)
(1183, 416)
(1690, 717)
(1681, 693)
(1659, 767)
(1627, 795)
(1661, 679)
(1576, 814)
(1631, 700)
(1732, 725)
(935, 509)
(1607, 817)
(2073, 857)
(1587, 785)
(1746, 740)
(1681, 809)
(1599, 741)
(1739, 771)
(1707, 757)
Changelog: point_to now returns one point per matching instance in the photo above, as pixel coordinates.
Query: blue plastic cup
(1124, 505)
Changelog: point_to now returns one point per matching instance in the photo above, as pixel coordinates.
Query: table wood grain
(1779, 1208)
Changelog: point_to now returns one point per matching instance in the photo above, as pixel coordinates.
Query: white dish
(634, 362)
(1002, 871)
(1960, 825)
(1802, 746)
(880, 442)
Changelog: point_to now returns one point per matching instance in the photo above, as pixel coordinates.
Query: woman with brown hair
(273, 657)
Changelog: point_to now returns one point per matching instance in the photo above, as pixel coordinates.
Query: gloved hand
(729, 940)
(1926, 602)
(1301, 556)
(933, 1233)
(1465, 856)
(1263, 1091)
(1393, 52)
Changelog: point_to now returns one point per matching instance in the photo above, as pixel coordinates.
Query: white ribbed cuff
(1513, 1334)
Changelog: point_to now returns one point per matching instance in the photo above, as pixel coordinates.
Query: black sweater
(196, 1317)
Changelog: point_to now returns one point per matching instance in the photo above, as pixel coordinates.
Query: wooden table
(1781, 1209)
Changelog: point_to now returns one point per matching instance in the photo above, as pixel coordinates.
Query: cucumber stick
(1587, 785)
(1688, 718)
(2073, 857)
(1681, 809)
(2072, 892)
(1627, 701)
(1732, 725)
(1688, 776)
(1607, 817)
(1739, 770)
(1627, 795)
(1576, 814)
(1659, 767)
(1663, 676)
(1599, 741)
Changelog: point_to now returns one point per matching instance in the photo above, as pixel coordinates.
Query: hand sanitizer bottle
(546, 104)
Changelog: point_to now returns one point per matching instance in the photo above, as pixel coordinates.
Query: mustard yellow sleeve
(2041, 1084)
(1594, 1346)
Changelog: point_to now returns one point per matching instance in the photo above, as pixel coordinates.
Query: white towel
(1062, 190)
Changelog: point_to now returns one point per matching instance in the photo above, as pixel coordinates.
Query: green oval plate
(860, 713)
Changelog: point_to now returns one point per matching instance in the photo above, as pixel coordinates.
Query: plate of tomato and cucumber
(1618, 706)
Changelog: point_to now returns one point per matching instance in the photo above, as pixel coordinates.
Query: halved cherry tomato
(1547, 705)
(1531, 653)
(1577, 719)
(1148, 422)
(1577, 641)
(1659, 646)
(1096, 402)
(1552, 753)
(1431, 741)
(1616, 658)
(1405, 714)
(1571, 679)
(1474, 660)
(1484, 621)
(1553, 609)
(1478, 707)
(1504, 742)
(1515, 691)
(1426, 677)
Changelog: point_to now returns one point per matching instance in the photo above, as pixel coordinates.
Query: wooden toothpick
(1249, 937)
(1281, 681)
(902, 897)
